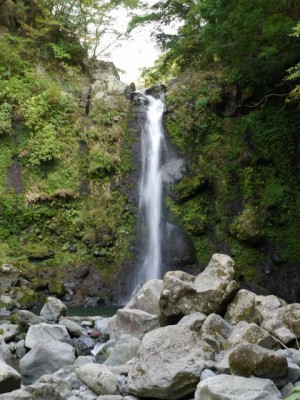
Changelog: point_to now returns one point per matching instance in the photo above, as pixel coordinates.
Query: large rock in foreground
(226, 387)
(46, 358)
(10, 379)
(98, 378)
(132, 322)
(169, 363)
(184, 294)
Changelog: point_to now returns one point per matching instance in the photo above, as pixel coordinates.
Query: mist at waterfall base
(156, 156)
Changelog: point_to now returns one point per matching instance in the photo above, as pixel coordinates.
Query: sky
(135, 53)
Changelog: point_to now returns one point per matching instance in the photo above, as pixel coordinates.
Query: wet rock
(44, 332)
(98, 378)
(248, 359)
(173, 170)
(10, 379)
(225, 387)
(184, 294)
(169, 363)
(44, 358)
(53, 309)
(132, 322)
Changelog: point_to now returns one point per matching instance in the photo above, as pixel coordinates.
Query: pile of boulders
(183, 337)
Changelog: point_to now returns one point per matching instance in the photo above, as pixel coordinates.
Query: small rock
(53, 309)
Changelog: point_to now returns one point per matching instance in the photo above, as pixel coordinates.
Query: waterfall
(151, 188)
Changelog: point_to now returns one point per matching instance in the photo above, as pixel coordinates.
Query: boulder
(193, 321)
(10, 379)
(147, 298)
(9, 331)
(44, 332)
(283, 322)
(98, 378)
(264, 304)
(169, 363)
(46, 358)
(250, 333)
(215, 331)
(53, 309)
(125, 349)
(226, 387)
(72, 327)
(28, 318)
(17, 395)
(84, 345)
(184, 294)
(132, 322)
(249, 359)
(242, 308)
(49, 387)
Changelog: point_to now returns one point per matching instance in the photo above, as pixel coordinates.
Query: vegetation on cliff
(64, 148)
(233, 114)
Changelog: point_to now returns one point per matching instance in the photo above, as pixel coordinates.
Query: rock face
(226, 387)
(46, 358)
(98, 378)
(169, 363)
(248, 359)
(207, 293)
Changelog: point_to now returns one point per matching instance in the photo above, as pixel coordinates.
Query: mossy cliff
(240, 193)
(65, 220)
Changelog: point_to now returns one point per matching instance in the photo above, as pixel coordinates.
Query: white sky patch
(132, 54)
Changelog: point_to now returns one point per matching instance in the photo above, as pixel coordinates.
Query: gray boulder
(10, 379)
(101, 325)
(169, 363)
(147, 298)
(242, 308)
(28, 318)
(215, 331)
(46, 358)
(9, 331)
(49, 387)
(132, 322)
(226, 387)
(250, 333)
(45, 332)
(17, 395)
(249, 359)
(72, 327)
(98, 378)
(283, 323)
(264, 304)
(193, 321)
(53, 309)
(184, 294)
(125, 349)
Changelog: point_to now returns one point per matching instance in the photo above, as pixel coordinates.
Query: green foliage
(294, 393)
(250, 39)
(5, 118)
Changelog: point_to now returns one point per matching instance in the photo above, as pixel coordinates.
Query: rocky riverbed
(183, 337)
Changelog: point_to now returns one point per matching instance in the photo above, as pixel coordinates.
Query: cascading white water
(151, 186)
